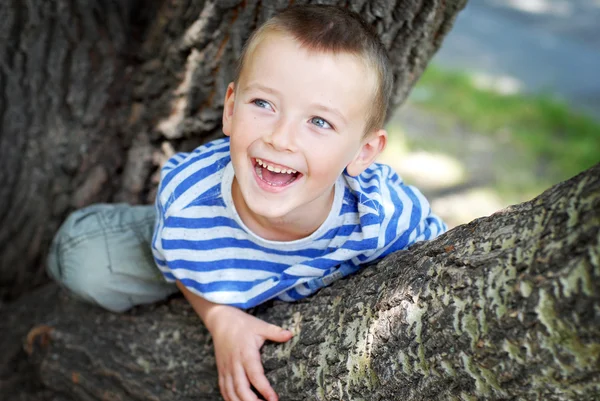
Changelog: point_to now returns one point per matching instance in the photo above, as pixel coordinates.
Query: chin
(268, 212)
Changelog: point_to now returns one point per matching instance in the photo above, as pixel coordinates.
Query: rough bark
(93, 92)
(504, 308)
(64, 93)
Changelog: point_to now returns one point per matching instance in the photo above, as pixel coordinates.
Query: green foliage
(544, 127)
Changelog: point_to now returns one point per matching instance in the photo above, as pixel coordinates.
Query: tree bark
(64, 94)
(506, 307)
(95, 92)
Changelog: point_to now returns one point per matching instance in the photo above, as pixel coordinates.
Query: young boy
(289, 202)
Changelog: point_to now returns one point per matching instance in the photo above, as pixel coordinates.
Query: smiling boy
(290, 201)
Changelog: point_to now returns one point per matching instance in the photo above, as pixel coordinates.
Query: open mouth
(275, 175)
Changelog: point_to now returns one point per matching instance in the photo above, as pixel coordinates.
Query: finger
(232, 396)
(276, 333)
(256, 374)
(242, 385)
(223, 387)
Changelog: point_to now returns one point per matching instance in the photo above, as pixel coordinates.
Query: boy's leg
(102, 254)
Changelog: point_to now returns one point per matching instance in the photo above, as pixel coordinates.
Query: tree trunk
(65, 92)
(94, 92)
(504, 308)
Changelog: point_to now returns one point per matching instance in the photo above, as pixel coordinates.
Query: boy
(287, 203)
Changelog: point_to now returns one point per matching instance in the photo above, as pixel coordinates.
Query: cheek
(325, 167)
(331, 152)
(237, 148)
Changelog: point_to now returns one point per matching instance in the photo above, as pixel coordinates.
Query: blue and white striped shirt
(200, 240)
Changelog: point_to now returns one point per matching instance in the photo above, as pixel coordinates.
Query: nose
(283, 136)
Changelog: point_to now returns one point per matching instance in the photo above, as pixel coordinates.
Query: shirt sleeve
(406, 218)
(423, 224)
(160, 205)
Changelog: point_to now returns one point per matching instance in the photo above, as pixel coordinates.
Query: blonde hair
(325, 28)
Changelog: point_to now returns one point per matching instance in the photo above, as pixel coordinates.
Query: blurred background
(508, 107)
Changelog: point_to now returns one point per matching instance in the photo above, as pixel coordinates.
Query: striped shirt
(200, 240)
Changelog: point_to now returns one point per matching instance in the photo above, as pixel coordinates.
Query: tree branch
(505, 307)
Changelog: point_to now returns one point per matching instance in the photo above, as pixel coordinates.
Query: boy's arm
(237, 338)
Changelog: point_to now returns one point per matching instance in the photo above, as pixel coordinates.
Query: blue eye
(263, 104)
(321, 123)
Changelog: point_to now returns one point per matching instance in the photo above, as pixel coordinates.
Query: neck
(294, 226)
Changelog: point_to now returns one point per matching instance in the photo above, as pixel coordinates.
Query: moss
(482, 317)
(448, 368)
(578, 275)
(351, 333)
(172, 364)
(459, 308)
(594, 253)
(298, 374)
(499, 287)
(405, 361)
(327, 351)
(481, 386)
(509, 242)
(491, 379)
(551, 378)
(486, 247)
(144, 364)
(283, 351)
(471, 327)
(467, 397)
(447, 297)
(513, 351)
(358, 362)
(486, 382)
(414, 318)
(564, 339)
(525, 288)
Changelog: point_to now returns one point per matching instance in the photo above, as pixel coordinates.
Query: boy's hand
(238, 337)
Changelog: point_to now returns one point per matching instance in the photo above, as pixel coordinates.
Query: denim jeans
(102, 254)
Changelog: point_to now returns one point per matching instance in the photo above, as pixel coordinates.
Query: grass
(547, 129)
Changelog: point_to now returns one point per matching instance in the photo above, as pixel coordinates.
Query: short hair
(326, 28)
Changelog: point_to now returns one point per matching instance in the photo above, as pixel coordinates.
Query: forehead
(278, 57)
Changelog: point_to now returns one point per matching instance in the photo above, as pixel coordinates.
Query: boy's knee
(81, 280)
(80, 257)
(74, 260)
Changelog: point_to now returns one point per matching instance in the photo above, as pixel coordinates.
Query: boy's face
(302, 114)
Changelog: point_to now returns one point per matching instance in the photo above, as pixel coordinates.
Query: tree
(96, 91)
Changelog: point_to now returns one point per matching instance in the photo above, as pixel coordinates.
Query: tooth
(270, 168)
(277, 170)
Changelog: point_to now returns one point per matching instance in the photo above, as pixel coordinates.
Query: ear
(371, 147)
(228, 109)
